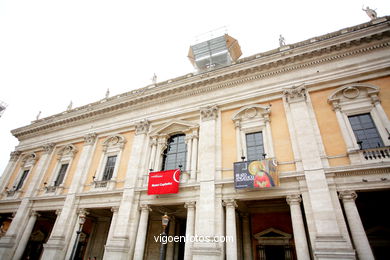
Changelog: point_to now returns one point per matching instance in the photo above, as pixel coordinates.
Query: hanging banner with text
(256, 174)
(164, 182)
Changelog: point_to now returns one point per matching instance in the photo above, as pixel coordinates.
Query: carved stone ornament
(47, 148)
(351, 92)
(29, 159)
(229, 203)
(114, 141)
(67, 151)
(14, 156)
(294, 199)
(209, 113)
(295, 94)
(89, 138)
(347, 195)
(142, 127)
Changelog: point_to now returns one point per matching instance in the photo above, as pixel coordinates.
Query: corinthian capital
(295, 93)
(14, 156)
(89, 138)
(142, 127)
(209, 113)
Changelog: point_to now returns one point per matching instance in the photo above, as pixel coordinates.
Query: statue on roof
(282, 41)
(69, 106)
(107, 93)
(370, 12)
(39, 114)
(154, 79)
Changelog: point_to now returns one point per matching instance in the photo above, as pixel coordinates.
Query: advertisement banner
(256, 174)
(164, 182)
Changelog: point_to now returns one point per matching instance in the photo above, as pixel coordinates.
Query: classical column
(25, 236)
(14, 156)
(270, 148)
(114, 211)
(194, 156)
(246, 236)
(142, 232)
(358, 233)
(188, 140)
(328, 235)
(231, 232)
(153, 145)
(161, 146)
(298, 227)
(239, 148)
(190, 226)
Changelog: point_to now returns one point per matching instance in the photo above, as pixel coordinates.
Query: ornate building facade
(76, 186)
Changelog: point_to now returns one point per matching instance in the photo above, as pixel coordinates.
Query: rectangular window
(254, 146)
(61, 175)
(109, 169)
(21, 180)
(365, 131)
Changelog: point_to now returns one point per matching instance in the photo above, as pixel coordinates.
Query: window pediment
(250, 112)
(353, 93)
(114, 142)
(67, 151)
(29, 159)
(174, 127)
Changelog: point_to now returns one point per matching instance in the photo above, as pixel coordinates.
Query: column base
(206, 250)
(54, 248)
(117, 249)
(333, 247)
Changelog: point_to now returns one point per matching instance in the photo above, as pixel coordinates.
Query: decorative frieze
(209, 113)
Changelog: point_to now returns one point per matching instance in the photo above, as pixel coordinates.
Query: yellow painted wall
(229, 151)
(281, 136)
(124, 159)
(329, 127)
(384, 92)
(73, 167)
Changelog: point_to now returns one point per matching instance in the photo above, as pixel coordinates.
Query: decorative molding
(142, 127)
(295, 94)
(228, 203)
(145, 207)
(14, 156)
(29, 159)
(189, 204)
(90, 138)
(347, 195)
(352, 91)
(209, 113)
(114, 142)
(68, 150)
(294, 199)
(249, 112)
(256, 67)
(173, 127)
(48, 148)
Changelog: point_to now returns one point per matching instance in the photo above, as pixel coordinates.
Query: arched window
(176, 153)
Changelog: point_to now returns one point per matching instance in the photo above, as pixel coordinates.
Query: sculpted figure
(370, 12)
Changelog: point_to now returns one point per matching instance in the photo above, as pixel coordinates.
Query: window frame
(166, 152)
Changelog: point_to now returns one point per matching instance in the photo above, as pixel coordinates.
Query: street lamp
(82, 218)
(164, 222)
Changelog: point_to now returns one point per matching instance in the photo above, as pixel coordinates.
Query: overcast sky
(53, 52)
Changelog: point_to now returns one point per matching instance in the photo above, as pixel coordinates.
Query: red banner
(164, 182)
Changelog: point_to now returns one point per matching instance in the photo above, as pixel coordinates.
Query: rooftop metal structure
(214, 53)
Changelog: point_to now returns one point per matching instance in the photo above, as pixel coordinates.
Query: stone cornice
(343, 43)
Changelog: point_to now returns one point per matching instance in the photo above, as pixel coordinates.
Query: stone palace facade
(76, 185)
